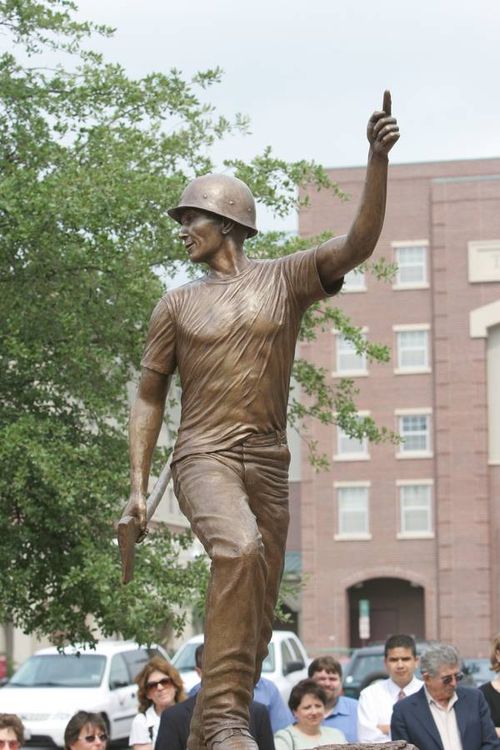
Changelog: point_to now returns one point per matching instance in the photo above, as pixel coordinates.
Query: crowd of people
(432, 713)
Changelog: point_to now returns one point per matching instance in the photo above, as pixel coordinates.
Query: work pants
(237, 503)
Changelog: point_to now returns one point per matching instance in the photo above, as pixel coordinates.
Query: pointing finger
(387, 105)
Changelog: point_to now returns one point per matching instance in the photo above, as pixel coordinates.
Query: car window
(135, 661)
(297, 656)
(364, 665)
(269, 663)
(118, 672)
(184, 660)
(61, 670)
(286, 655)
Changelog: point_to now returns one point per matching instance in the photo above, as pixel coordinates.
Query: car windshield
(364, 665)
(184, 659)
(60, 670)
(268, 665)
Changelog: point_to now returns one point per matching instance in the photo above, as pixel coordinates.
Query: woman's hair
(76, 724)
(11, 721)
(495, 648)
(305, 687)
(158, 664)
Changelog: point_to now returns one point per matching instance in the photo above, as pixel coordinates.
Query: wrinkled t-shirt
(233, 343)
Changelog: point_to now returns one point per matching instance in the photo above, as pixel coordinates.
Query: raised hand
(383, 130)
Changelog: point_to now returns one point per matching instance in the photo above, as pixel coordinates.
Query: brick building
(413, 531)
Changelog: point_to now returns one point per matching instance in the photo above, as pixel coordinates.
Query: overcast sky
(310, 73)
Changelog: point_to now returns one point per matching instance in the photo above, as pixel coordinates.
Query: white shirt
(446, 722)
(375, 707)
(143, 726)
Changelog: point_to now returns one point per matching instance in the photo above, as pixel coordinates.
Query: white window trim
(353, 456)
(356, 290)
(425, 411)
(361, 537)
(412, 327)
(415, 534)
(397, 286)
(348, 373)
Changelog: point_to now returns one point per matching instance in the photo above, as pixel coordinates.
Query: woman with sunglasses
(160, 686)
(85, 731)
(11, 732)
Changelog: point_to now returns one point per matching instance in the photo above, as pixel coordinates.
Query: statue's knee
(243, 549)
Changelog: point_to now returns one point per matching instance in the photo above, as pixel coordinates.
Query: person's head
(160, 685)
(211, 208)
(85, 731)
(495, 654)
(198, 659)
(400, 659)
(11, 732)
(440, 665)
(327, 673)
(307, 702)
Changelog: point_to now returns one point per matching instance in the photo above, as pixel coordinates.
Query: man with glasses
(11, 732)
(442, 715)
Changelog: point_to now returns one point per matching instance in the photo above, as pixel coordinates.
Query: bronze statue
(232, 334)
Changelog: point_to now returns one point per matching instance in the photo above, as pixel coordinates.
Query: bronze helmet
(220, 194)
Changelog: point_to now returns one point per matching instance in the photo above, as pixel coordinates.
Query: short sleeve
(159, 352)
(301, 271)
(139, 733)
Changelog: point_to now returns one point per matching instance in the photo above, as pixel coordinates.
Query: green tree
(90, 159)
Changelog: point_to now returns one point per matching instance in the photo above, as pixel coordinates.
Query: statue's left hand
(383, 130)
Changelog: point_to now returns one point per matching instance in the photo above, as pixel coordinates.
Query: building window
(349, 448)
(415, 431)
(348, 361)
(411, 261)
(415, 506)
(412, 344)
(354, 281)
(352, 511)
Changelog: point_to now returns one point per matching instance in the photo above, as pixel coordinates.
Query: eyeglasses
(448, 679)
(90, 738)
(153, 684)
(13, 744)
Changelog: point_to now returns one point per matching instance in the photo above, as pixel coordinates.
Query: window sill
(415, 535)
(409, 287)
(353, 291)
(350, 374)
(412, 370)
(351, 457)
(415, 454)
(352, 537)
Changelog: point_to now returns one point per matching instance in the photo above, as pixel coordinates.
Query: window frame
(353, 372)
(426, 452)
(354, 289)
(403, 484)
(362, 455)
(411, 244)
(411, 328)
(350, 536)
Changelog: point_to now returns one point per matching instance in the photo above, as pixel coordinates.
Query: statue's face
(201, 233)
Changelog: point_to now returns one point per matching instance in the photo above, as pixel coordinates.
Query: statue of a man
(232, 334)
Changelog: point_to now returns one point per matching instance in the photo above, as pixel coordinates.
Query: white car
(285, 664)
(51, 686)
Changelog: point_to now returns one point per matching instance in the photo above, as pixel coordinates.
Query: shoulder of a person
(347, 701)
(375, 688)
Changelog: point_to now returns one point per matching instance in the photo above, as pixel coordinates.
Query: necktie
(401, 695)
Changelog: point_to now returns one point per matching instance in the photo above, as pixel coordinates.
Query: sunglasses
(12, 744)
(448, 679)
(153, 684)
(90, 738)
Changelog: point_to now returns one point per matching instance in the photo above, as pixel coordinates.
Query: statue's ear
(227, 225)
